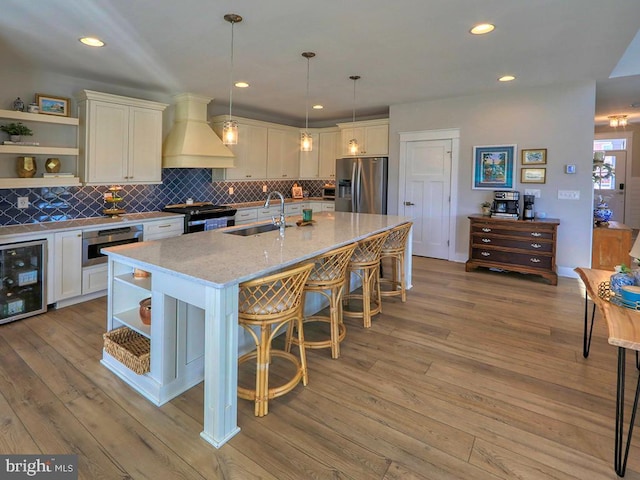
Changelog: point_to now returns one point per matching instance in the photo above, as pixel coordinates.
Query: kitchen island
(193, 285)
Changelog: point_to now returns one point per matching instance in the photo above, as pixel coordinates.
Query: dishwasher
(23, 270)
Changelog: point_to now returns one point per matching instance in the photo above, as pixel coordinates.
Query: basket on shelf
(130, 348)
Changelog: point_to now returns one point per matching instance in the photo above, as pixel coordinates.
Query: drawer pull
(536, 245)
(485, 229)
(535, 260)
(485, 254)
(486, 240)
(536, 234)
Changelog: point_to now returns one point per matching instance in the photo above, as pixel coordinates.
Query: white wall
(558, 118)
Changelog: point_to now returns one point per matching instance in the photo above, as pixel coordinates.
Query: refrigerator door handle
(353, 186)
(358, 190)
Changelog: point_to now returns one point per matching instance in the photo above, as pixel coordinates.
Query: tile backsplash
(67, 203)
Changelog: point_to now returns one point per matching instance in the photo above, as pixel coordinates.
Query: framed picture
(493, 167)
(51, 105)
(533, 175)
(296, 192)
(536, 156)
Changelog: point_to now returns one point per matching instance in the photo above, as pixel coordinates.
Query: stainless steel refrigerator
(362, 185)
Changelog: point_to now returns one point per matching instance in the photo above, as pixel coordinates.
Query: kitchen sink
(254, 229)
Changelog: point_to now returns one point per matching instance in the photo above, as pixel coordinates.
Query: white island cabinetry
(120, 139)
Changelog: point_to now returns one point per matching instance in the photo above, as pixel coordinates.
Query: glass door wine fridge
(23, 274)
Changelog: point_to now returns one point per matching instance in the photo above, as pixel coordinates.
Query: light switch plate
(568, 194)
(230, 190)
(532, 191)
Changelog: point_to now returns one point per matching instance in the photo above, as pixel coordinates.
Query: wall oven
(93, 241)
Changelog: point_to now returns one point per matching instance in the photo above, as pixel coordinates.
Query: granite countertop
(276, 201)
(220, 259)
(82, 223)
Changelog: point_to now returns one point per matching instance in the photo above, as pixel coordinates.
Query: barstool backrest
(275, 294)
(397, 238)
(331, 266)
(368, 250)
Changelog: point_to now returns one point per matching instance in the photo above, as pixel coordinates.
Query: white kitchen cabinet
(67, 264)
(328, 153)
(251, 151)
(283, 147)
(372, 137)
(328, 207)
(120, 139)
(293, 209)
(48, 130)
(246, 215)
(165, 228)
(267, 213)
(309, 161)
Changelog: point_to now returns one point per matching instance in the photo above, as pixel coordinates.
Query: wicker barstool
(365, 263)
(327, 278)
(271, 303)
(394, 248)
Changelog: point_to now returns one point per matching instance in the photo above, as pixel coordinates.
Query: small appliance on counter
(329, 192)
(203, 216)
(506, 204)
(529, 212)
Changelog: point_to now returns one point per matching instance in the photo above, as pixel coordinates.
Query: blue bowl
(630, 293)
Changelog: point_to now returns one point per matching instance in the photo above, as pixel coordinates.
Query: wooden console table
(623, 325)
(611, 246)
(526, 246)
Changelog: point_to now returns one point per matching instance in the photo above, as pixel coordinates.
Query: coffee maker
(528, 213)
(506, 204)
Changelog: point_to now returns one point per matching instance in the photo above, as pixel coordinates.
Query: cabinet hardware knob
(536, 245)
(486, 229)
(485, 254)
(536, 234)
(486, 240)
(535, 260)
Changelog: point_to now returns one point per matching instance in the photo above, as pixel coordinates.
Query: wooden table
(623, 325)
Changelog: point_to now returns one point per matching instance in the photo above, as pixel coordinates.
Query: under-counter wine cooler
(23, 273)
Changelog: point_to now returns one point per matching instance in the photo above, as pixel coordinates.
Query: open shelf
(39, 182)
(131, 319)
(36, 150)
(38, 117)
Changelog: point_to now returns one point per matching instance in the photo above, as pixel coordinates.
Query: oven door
(94, 241)
(206, 224)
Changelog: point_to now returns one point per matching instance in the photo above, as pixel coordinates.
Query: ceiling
(405, 50)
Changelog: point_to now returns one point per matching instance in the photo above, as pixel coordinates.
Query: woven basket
(129, 348)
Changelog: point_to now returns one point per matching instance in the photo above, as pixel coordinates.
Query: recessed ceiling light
(318, 107)
(241, 84)
(92, 41)
(482, 28)
(506, 78)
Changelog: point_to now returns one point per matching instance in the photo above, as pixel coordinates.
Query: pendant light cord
(306, 102)
(231, 74)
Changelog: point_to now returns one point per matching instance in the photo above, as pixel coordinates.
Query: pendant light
(306, 141)
(230, 127)
(353, 143)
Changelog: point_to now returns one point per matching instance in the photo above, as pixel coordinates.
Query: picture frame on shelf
(534, 156)
(533, 175)
(52, 105)
(493, 167)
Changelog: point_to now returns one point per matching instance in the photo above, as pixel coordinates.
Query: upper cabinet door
(309, 167)
(372, 137)
(106, 151)
(328, 151)
(145, 145)
(283, 154)
(250, 152)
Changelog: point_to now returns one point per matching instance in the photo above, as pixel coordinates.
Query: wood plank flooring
(477, 376)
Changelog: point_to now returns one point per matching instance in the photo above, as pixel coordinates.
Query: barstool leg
(366, 296)
(403, 295)
(263, 354)
(303, 356)
(334, 319)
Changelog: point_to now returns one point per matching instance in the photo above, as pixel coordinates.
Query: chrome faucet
(280, 222)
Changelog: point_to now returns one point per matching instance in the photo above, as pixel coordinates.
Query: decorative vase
(145, 311)
(52, 165)
(26, 167)
(18, 105)
(486, 211)
(619, 280)
(602, 214)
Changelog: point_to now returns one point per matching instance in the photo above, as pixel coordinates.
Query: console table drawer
(535, 245)
(535, 233)
(524, 259)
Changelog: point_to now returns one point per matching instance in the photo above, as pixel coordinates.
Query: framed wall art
(537, 156)
(533, 175)
(51, 105)
(493, 167)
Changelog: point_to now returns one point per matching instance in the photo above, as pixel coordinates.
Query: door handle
(409, 204)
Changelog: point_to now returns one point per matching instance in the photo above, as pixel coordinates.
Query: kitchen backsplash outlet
(178, 184)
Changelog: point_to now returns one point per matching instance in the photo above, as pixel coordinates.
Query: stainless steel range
(203, 216)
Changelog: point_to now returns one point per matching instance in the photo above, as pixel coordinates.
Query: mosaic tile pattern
(178, 184)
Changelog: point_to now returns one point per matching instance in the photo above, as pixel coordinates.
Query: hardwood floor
(477, 376)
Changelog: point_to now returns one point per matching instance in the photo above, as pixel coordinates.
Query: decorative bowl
(145, 311)
(630, 293)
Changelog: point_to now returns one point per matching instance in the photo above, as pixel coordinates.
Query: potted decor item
(16, 131)
(486, 208)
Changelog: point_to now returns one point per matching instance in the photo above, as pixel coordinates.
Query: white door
(427, 192)
(612, 189)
